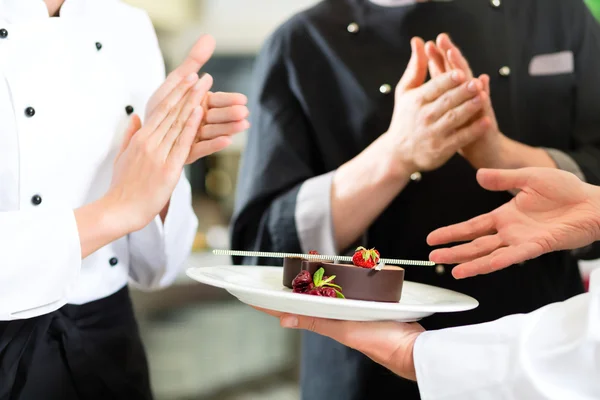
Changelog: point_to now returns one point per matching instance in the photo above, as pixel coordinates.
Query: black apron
(91, 351)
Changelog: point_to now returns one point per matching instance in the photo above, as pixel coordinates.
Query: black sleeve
(276, 160)
(586, 134)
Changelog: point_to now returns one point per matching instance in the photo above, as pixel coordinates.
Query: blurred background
(202, 343)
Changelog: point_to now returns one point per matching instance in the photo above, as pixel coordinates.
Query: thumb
(135, 124)
(416, 71)
(503, 179)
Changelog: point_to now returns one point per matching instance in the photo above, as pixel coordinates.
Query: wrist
(394, 167)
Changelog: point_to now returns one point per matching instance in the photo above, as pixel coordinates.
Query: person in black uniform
(334, 159)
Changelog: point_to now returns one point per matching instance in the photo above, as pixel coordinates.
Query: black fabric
(86, 352)
(317, 105)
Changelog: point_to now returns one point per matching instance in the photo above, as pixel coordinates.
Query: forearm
(362, 188)
(512, 155)
(98, 224)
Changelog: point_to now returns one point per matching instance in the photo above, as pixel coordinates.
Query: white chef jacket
(551, 353)
(67, 86)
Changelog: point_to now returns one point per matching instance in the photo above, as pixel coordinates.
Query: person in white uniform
(91, 198)
(551, 353)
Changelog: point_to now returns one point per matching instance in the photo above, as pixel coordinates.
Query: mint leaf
(318, 277)
(339, 295)
(333, 285)
(326, 281)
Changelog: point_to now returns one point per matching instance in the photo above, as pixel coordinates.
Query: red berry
(302, 281)
(328, 292)
(313, 252)
(365, 258)
(315, 292)
(303, 289)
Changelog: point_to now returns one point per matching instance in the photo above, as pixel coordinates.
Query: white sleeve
(552, 353)
(314, 219)
(40, 260)
(158, 251)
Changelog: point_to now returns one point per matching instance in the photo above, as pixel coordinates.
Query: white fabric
(313, 217)
(66, 150)
(552, 353)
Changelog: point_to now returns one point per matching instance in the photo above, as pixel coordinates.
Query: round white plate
(261, 287)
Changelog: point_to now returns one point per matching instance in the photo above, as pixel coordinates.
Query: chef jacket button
(504, 71)
(3, 33)
(113, 261)
(129, 110)
(36, 200)
(353, 27)
(440, 269)
(29, 112)
(415, 176)
(495, 3)
(385, 88)
(98, 46)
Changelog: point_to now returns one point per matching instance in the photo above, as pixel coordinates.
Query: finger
(167, 109)
(436, 87)
(135, 124)
(479, 247)
(416, 71)
(454, 98)
(461, 232)
(212, 131)
(458, 117)
(452, 54)
(479, 266)
(270, 312)
(182, 145)
(221, 99)
(436, 60)
(200, 53)
(189, 104)
(468, 134)
(485, 80)
(226, 114)
(207, 147)
(520, 253)
(504, 179)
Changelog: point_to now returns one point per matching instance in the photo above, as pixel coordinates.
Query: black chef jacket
(318, 104)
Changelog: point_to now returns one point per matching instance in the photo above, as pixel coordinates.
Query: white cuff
(313, 215)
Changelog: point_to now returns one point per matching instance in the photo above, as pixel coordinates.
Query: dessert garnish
(365, 258)
(316, 285)
(313, 253)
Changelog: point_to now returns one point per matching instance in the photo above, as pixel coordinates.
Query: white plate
(261, 287)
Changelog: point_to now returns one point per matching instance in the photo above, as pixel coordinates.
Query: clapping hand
(224, 114)
(553, 210)
(444, 56)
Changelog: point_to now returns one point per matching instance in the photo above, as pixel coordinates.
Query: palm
(553, 211)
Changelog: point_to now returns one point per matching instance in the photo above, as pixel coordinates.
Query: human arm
(302, 209)
(42, 250)
(551, 353)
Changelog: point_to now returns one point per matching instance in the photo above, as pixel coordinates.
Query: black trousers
(92, 351)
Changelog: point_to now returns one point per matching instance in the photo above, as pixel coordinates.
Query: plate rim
(470, 302)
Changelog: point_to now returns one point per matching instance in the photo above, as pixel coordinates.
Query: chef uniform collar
(14, 11)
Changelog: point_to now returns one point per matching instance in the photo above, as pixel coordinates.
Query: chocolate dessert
(361, 283)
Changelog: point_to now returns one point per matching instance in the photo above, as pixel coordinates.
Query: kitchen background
(202, 343)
